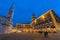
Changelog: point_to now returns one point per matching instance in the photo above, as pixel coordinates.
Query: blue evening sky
(23, 9)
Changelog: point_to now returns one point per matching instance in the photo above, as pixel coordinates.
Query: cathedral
(6, 22)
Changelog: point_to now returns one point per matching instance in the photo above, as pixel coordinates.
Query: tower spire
(9, 15)
(33, 16)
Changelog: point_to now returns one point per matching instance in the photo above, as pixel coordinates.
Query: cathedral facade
(6, 22)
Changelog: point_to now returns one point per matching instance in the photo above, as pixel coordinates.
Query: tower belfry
(33, 17)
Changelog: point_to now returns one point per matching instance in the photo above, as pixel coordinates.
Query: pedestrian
(46, 34)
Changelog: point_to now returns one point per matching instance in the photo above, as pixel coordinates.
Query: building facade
(48, 20)
(6, 22)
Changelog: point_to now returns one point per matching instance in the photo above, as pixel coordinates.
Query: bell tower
(33, 19)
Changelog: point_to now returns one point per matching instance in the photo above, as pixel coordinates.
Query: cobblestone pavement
(29, 36)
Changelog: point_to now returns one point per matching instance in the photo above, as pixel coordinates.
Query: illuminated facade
(24, 27)
(48, 20)
(5, 21)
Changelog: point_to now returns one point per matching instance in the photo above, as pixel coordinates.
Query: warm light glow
(24, 30)
(48, 29)
(54, 29)
(31, 30)
(35, 30)
(19, 31)
(14, 30)
(35, 21)
(42, 16)
(27, 30)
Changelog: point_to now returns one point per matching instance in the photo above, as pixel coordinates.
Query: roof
(48, 13)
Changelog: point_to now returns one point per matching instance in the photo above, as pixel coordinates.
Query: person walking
(46, 34)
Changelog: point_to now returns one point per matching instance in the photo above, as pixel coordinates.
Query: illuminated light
(43, 16)
(31, 30)
(14, 30)
(27, 30)
(35, 21)
(19, 31)
(23, 30)
(54, 30)
(50, 22)
(48, 28)
(35, 30)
